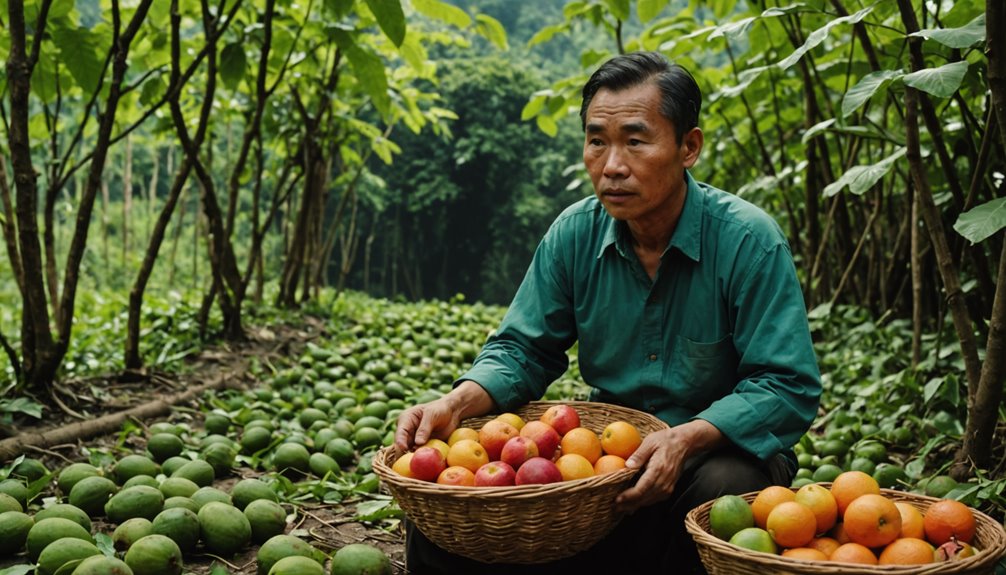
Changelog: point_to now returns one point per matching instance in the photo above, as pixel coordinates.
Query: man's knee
(730, 472)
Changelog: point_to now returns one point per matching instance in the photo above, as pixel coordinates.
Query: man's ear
(691, 144)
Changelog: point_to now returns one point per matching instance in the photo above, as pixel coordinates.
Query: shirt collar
(687, 236)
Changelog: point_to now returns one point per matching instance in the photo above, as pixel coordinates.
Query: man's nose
(614, 163)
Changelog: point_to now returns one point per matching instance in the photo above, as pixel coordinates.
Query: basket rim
(987, 557)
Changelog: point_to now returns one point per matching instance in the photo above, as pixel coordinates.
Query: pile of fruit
(509, 451)
(850, 521)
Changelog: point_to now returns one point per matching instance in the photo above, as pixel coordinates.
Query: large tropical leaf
(941, 82)
(233, 64)
(369, 69)
(648, 9)
(390, 18)
(862, 178)
(491, 29)
(78, 50)
(444, 12)
(817, 36)
(966, 36)
(866, 88)
(980, 222)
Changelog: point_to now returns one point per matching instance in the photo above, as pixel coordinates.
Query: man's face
(633, 156)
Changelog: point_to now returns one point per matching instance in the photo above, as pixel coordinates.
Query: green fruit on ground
(826, 472)
(324, 435)
(62, 551)
(291, 457)
(367, 437)
(248, 490)
(66, 511)
(868, 430)
(341, 450)
(804, 460)
(863, 464)
(873, 450)
(17, 489)
(799, 482)
(14, 528)
(173, 464)
(102, 565)
(728, 515)
(182, 502)
(131, 531)
(178, 487)
(359, 558)
(155, 555)
(281, 546)
(395, 390)
(221, 457)
(835, 447)
(341, 405)
(208, 494)
(198, 471)
(890, 476)
(139, 501)
(378, 409)
(755, 539)
(255, 439)
(131, 465)
(267, 519)
(296, 565)
(91, 494)
(310, 415)
(939, 485)
(216, 423)
(225, 529)
(29, 469)
(344, 428)
(165, 427)
(180, 525)
(322, 465)
(165, 445)
(146, 480)
(803, 472)
(46, 531)
(368, 421)
(8, 503)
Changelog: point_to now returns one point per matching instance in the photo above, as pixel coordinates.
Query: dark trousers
(651, 540)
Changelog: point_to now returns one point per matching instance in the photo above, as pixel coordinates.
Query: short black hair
(681, 98)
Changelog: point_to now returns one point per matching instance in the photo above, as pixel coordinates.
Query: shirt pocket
(703, 372)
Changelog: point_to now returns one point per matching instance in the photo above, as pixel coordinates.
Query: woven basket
(722, 558)
(521, 524)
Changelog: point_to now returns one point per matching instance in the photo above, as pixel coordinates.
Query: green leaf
(492, 30)
(966, 36)
(620, 8)
(218, 569)
(17, 570)
(338, 8)
(233, 64)
(413, 52)
(390, 18)
(649, 9)
(931, 388)
(818, 128)
(444, 12)
(533, 106)
(862, 178)
(547, 124)
(941, 82)
(105, 544)
(866, 88)
(371, 75)
(982, 221)
(547, 33)
(78, 50)
(817, 36)
(21, 405)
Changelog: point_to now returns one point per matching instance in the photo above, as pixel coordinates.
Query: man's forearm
(469, 399)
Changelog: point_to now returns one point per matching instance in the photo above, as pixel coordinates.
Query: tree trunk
(127, 200)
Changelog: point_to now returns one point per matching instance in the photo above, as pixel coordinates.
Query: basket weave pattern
(722, 558)
(520, 524)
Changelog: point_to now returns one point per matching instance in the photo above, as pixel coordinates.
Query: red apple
(544, 435)
(517, 450)
(538, 470)
(427, 463)
(495, 474)
(494, 435)
(456, 475)
(562, 418)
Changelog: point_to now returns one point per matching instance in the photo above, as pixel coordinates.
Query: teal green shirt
(719, 334)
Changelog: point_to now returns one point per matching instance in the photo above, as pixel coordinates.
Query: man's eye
(635, 142)
(596, 142)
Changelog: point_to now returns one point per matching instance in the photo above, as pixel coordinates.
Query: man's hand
(663, 455)
(440, 417)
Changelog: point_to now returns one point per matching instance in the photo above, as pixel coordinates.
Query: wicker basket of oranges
(521, 521)
(849, 526)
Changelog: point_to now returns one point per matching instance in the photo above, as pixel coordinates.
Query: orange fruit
(582, 441)
(607, 464)
(872, 520)
(949, 518)
(574, 466)
(791, 524)
(440, 445)
(907, 551)
(513, 419)
(805, 553)
(851, 484)
(620, 438)
(912, 523)
(462, 433)
(838, 534)
(853, 553)
(401, 465)
(819, 500)
(825, 545)
(467, 453)
(457, 475)
(767, 499)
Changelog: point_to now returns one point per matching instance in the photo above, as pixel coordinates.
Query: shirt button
(653, 357)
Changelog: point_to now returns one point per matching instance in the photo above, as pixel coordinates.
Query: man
(685, 303)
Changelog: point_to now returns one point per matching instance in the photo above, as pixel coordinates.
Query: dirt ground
(328, 527)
